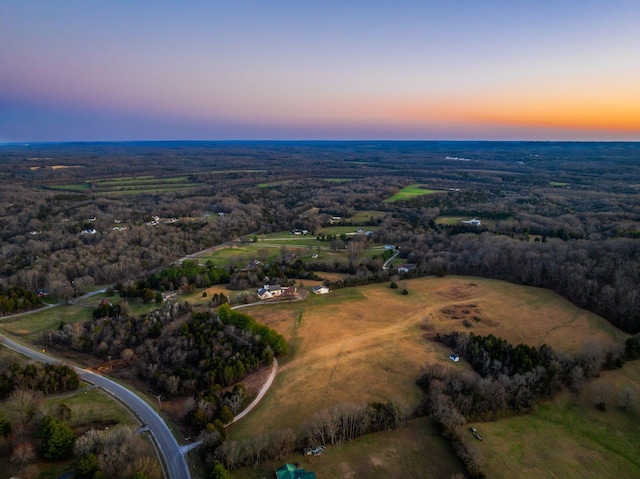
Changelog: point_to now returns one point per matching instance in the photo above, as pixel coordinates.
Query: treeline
(271, 338)
(115, 452)
(187, 273)
(17, 299)
(600, 276)
(335, 426)
(275, 272)
(46, 378)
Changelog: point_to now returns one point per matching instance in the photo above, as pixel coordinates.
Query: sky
(78, 70)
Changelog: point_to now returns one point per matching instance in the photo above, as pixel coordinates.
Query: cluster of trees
(508, 379)
(18, 299)
(342, 423)
(271, 338)
(39, 431)
(214, 408)
(179, 353)
(114, 453)
(275, 272)
(187, 273)
(58, 439)
(46, 378)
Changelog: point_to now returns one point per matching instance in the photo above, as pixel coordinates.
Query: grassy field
(414, 451)
(455, 220)
(558, 184)
(377, 335)
(30, 327)
(274, 183)
(370, 344)
(569, 437)
(362, 216)
(338, 180)
(411, 191)
(269, 247)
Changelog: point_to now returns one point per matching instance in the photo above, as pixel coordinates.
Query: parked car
(476, 434)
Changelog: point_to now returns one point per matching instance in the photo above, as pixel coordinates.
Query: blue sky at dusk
(152, 70)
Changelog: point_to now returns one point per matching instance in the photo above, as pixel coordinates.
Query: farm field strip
(131, 185)
(412, 191)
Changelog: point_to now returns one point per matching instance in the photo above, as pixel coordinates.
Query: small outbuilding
(320, 290)
(290, 471)
(454, 357)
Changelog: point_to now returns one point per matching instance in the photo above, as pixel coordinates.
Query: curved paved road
(175, 464)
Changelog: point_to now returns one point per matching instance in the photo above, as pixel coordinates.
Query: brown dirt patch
(331, 276)
(254, 381)
(459, 292)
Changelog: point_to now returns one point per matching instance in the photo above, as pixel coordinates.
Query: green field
(411, 191)
(558, 183)
(338, 180)
(274, 183)
(71, 187)
(30, 327)
(569, 437)
(363, 216)
(268, 247)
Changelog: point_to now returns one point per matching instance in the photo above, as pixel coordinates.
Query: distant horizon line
(58, 142)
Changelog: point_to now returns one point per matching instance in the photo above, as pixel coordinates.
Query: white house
(454, 357)
(320, 290)
(264, 294)
(474, 222)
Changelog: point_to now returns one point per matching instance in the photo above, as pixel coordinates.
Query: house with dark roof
(290, 471)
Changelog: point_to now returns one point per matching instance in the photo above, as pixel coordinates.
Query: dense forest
(563, 216)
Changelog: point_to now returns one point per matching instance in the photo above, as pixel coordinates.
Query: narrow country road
(263, 391)
(395, 253)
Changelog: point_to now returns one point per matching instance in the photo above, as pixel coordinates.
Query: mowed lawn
(411, 191)
(370, 343)
(569, 437)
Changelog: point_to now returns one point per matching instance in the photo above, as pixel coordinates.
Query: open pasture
(30, 327)
(371, 346)
(569, 437)
(412, 191)
(364, 216)
(273, 184)
(269, 247)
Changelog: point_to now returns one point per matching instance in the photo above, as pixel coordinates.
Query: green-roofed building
(289, 471)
